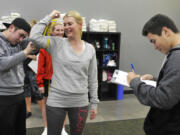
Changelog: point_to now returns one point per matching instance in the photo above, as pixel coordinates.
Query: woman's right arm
(36, 35)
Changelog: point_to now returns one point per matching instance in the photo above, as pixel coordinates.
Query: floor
(128, 108)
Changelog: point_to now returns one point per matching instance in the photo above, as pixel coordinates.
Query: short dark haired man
(164, 99)
(12, 101)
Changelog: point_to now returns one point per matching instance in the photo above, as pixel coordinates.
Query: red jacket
(45, 69)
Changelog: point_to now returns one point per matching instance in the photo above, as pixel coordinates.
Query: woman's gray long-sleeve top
(73, 75)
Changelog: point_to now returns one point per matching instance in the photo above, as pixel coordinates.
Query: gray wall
(130, 16)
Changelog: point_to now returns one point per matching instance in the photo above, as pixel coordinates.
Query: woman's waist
(66, 99)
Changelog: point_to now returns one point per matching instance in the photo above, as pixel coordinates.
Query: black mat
(120, 127)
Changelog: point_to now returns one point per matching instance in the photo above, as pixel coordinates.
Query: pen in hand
(132, 67)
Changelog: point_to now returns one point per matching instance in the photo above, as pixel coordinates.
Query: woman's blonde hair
(52, 27)
(76, 15)
(32, 22)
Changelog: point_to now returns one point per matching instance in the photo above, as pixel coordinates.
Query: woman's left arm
(93, 85)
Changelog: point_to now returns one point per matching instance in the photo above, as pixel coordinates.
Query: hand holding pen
(132, 75)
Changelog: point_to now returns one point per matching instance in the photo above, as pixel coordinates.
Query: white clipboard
(120, 77)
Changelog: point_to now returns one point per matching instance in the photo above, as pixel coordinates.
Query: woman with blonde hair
(74, 74)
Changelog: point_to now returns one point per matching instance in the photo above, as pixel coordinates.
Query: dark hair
(155, 24)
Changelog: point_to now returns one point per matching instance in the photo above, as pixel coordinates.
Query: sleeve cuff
(93, 106)
(135, 83)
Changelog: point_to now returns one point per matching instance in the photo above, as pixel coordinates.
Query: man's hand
(147, 77)
(54, 14)
(131, 76)
(33, 57)
(30, 47)
(41, 90)
(93, 113)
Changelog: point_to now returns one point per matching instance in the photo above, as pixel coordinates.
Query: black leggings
(77, 119)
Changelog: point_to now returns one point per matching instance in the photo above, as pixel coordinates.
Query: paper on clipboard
(120, 77)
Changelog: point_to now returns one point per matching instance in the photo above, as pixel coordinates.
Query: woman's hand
(41, 90)
(93, 113)
(54, 14)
